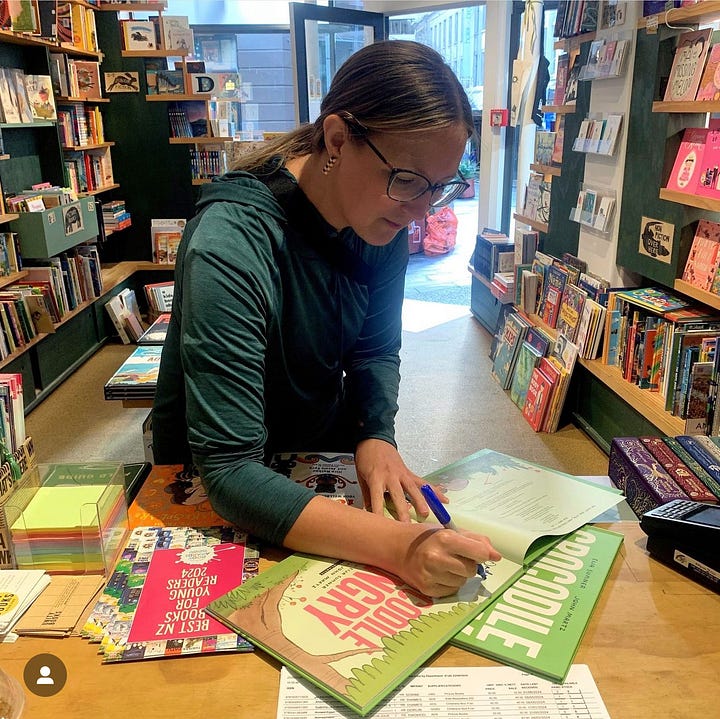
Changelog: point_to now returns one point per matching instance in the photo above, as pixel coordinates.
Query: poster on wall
(656, 239)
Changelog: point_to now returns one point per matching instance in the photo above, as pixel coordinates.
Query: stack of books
(136, 378)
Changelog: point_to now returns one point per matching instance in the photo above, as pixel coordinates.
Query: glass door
(322, 38)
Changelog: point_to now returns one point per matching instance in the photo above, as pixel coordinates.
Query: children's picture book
(571, 307)
(511, 338)
(330, 474)
(527, 360)
(136, 377)
(155, 334)
(553, 287)
(88, 78)
(537, 399)
(688, 64)
(562, 68)
(527, 630)
(708, 180)
(544, 143)
(709, 89)
(139, 34)
(685, 173)
(40, 97)
(297, 610)
(153, 603)
(702, 262)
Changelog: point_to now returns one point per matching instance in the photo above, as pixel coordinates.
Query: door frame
(299, 12)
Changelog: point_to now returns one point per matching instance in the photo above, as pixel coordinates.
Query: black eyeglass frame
(458, 186)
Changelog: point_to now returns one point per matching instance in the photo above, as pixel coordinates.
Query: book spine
(678, 470)
(693, 465)
(638, 474)
(704, 457)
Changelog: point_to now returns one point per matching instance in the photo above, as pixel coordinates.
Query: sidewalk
(445, 278)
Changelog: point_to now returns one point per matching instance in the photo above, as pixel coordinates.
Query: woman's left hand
(384, 476)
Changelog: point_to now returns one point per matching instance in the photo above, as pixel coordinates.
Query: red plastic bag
(441, 232)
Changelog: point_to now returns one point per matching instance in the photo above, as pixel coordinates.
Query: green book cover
(537, 623)
(352, 630)
(357, 632)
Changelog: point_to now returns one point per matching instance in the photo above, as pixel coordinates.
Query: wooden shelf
(176, 52)
(574, 42)
(175, 97)
(201, 180)
(14, 277)
(16, 38)
(535, 224)
(4, 157)
(695, 107)
(8, 218)
(79, 51)
(559, 109)
(98, 190)
(685, 198)
(90, 100)
(546, 169)
(706, 298)
(97, 146)
(650, 405)
(701, 12)
(198, 140)
(27, 125)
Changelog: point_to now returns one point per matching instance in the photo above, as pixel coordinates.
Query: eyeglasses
(406, 185)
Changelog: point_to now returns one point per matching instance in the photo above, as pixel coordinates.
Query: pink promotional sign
(180, 583)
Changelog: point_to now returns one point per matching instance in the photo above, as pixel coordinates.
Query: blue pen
(443, 516)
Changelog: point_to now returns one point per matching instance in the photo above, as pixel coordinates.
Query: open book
(357, 632)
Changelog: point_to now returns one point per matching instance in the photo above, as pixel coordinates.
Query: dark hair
(389, 86)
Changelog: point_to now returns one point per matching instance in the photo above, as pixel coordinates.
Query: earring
(329, 165)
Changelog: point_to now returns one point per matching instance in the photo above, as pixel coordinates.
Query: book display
(136, 377)
(361, 662)
(151, 606)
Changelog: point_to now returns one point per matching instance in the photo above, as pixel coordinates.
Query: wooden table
(653, 646)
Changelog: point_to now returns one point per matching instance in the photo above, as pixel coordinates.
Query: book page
(516, 502)
(448, 693)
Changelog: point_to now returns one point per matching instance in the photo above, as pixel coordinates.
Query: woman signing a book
(286, 322)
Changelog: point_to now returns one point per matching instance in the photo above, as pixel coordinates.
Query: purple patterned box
(640, 476)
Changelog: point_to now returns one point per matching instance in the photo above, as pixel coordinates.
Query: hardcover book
(704, 256)
(522, 629)
(705, 451)
(537, 399)
(678, 470)
(156, 333)
(136, 377)
(40, 96)
(553, 287)
(511, 338)
(688, 64)
(330, 474)
(709, 89)
(299, 610)
(152, 605)
(685, 173)
(528, 358)
(709, 174)
(571, 307)
(693, 465)
(640, 475)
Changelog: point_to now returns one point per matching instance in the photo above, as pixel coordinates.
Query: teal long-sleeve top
(285, 336)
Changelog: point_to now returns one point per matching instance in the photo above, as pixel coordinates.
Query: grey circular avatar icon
(45, 675)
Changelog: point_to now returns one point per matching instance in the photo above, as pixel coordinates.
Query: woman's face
(362, 178)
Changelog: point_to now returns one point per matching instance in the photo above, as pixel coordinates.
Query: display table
(652, 647)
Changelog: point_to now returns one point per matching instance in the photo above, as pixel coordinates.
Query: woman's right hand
(439, 561)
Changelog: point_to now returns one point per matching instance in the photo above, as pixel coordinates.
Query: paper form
(458, 693)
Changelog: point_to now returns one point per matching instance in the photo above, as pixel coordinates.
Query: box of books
(54, 230)
(68, 518)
